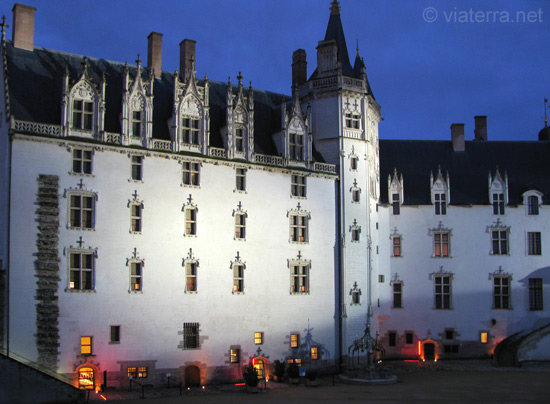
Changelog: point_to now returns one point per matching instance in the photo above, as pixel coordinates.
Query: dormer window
(137, 123)
(498, 203)
(395, 204)
(498, 192)
(532, 205)
(296, 146)
(83, 114)
(190, 130)
(239, 139)
(440, 204)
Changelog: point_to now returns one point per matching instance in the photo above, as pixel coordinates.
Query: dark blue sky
(430, 63)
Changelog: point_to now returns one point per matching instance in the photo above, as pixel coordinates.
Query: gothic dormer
(137, 108)
(189, 125)
(440, 192)
(83, 105)
(498, 192)
(395, 191)
(238, 135)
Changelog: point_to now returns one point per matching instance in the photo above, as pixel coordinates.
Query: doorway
(429, 351)
(86, 378)
(192, 376)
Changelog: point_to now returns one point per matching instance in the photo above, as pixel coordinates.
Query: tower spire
(335, 7)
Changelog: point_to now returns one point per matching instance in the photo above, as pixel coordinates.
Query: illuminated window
(396, 251)
(532, 205)
(441, 244)
(81, 210)
(498, 203)
(238, 278)
(240, 226)
(83, 114)
(395, 204)
(240, 179)
(136, 276)
(314, 353)
(137, 168)
(298, 228)
(296, 361)
(191, 173)
(132, 373)
(138, 372)
(440, 203)
(239, 139)
(535, 294)
(81, 270)
(82, 161)
(235, 355)
(296, 146)
(298, 186)
(258, 338)
(294, 340)
(442, 291)
(135, 217)
(137, 119)
(115, 334)
(499, 240)
(501, 292)
(299, 274)
(392, 338)
(190, 130)
(85, 345)
(191, 336)
(191, 276)
(533, 243)
(86, 378)
(484, 337)
(190, 221)
(397, 295)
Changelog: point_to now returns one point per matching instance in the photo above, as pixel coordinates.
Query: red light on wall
(419, 348)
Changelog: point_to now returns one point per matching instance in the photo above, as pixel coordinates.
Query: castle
(157, 225)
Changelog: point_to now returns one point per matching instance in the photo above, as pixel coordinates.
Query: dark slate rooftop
(35, 82)
(527, 164)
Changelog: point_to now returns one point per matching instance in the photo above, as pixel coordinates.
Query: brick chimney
(480, 131)
(457, 136)
(154, 53)
(299, 67)
(187, 57)
(23, 26)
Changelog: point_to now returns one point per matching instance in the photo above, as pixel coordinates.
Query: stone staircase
(524, 346)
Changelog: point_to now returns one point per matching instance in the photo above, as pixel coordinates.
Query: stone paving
(464, 381)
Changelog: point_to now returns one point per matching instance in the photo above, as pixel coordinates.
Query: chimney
(187, 57)
(23, 26)
(457, 136)
(480, 132)
(299, 68)
(154, 53)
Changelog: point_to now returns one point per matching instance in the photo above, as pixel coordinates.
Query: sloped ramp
(527, 345)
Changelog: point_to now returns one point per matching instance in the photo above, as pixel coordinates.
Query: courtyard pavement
(442, 382)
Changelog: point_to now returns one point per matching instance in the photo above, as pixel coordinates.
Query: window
(501, 292)
(409, 338)
(238, 278)
(85, 345)
(392, 338)
(355, 234)
(353, 121)
(136, 123)
(395, 204)
(191, 276)
(314, 353)
(353, 163)
(441, 244)
(396, 242)
(115, 334)
(299, 278)
(258, 338)
(82, 161)
(355, 195)
(498, 204)
(296, 146)
(83, 114)
(191, 173)
(240, 226)
(191, 336)
(235, 355)
(81, 270)
(442, 290)
(484, 337)
(139, 372)
(533, 243)
(190, 130)
(240, 179)
(355, 297)
(239, 139)
(81, 211)
(298, 186)
(294, 340)
(137, 167)
(535, 294)
(136, 276)
(397, 295)
(532, 205)
(449, 334)
(381, 278)
(190, 221)
(450, 348)
(440, 204)
(135, 217)
(298, 228)
(499, 239)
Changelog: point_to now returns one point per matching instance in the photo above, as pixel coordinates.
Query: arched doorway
(259, 365)
(86, 378)
(192, 376)
(429, 351)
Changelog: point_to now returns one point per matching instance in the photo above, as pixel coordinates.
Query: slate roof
(35, 82)
(526, 163)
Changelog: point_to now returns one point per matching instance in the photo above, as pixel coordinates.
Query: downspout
(342, 243)
(8, 236)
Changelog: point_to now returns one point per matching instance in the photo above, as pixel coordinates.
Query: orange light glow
(103, 397)
(419, 348)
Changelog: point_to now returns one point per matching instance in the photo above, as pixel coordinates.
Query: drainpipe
(8, 265)
(342, 250)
